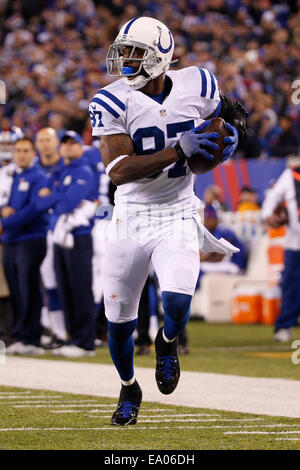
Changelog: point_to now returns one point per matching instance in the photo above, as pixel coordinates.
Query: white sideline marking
(56, 429)
(287, 438)
(113, 406)
(155, 410)
(33, 397)
(77, 411)
(151, 419)
(172, 416)
(279, 425)
(115, 428)
(15, 393)
(145, 428)
(195, 389)
(164, 410)
(33, 402)
(239, 426)
(83, 411)
(262, 432)
(51, 405)
(194, 420)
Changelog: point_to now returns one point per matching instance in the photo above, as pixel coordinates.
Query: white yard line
(188, 420)
(147, 428)
(170, 415)
(51, 405)
(82, 411)
(105, 428)
(240, 426)
(261, 432)
(152, 419)
(95, 412)
(49, 402)
(287, 438)
(145, 410)
(266, 396)
(33, 397)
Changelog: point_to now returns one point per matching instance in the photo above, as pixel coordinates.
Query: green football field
(35, 420)
(247, 350)
(43, 420)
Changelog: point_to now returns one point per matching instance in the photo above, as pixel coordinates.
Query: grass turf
(47, 427)
(222, 348)
(226, 349)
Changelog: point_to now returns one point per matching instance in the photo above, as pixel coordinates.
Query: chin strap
(139, 82)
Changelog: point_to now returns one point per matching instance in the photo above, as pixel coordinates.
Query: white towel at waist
(207, 242)
(62, 234)
(6, 181)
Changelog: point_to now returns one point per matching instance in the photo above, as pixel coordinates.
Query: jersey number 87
(159, 143)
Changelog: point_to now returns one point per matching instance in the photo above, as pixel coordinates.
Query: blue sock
(54, 303)
(177, 311)
(121, 347)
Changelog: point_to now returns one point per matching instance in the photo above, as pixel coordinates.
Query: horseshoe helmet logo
(160, 48)
(154, 38)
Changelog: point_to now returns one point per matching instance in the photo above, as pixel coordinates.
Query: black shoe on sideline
(167, 365)
(128, 407)
(54, 343)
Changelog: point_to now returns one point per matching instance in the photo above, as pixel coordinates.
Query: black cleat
(128, 406)
(54, 343)
(167, 365)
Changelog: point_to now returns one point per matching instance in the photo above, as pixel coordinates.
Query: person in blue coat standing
(73, 248)
(52, 319)
(23, 227)
(101, 197)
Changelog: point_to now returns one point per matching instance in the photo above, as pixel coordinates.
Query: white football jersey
(119, 109)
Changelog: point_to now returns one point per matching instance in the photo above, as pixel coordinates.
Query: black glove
(235, 113)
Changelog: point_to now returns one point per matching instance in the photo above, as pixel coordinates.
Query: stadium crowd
(52, 59)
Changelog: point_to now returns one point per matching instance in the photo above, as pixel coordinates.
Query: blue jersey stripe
(203, 84)
(217, 110)
(129, 24)
(213, 85)
(106, 106)
(112, 98)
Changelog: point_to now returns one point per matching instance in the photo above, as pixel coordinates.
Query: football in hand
(282, 214)
(199, 164)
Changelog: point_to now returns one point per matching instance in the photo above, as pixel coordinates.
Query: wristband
(179, 151)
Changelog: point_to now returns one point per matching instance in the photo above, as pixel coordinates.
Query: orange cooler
(271, 302)
(247, 304)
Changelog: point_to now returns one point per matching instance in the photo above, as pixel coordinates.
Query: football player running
(147, 122)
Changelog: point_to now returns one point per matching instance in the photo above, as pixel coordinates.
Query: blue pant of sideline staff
(290, 285)
(73, 269)
(21, 263)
